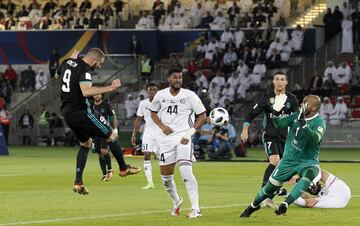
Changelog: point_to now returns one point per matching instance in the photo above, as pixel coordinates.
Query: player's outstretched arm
(258, 108)
(284, 121)
(313, 136)
(136, 130)
(88, 90)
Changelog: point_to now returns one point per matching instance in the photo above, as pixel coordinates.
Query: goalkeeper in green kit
(301, 155)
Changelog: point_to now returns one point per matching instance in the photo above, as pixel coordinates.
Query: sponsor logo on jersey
(272, 100)
(320, 129)
(183, 101)
(163, 101)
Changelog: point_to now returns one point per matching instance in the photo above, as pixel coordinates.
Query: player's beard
(93, 68)
(175, 86)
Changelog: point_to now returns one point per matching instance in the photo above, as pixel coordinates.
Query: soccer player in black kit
(77, 109)
(100, 144)
(273, 139)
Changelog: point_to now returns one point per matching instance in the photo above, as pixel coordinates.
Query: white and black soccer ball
(219, 116)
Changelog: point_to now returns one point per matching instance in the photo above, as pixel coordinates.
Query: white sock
(170, 187)
(191, 184)
(300, 202)
(148, 171)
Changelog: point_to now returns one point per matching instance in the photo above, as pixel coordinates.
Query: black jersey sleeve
(258, 108)
(294, 104)
(85, 76)
(111, 111)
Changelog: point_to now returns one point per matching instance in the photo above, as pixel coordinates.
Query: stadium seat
(356, 102)
(355, 114)
(344, 89)
(347, 100)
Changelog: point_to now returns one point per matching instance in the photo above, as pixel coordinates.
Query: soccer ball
(219, 116)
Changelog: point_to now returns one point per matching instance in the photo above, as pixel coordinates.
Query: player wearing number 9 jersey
(173, 110)
(77, 109)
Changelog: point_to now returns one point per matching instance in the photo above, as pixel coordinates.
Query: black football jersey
(105, 110)
(264, 105)
(74, 72)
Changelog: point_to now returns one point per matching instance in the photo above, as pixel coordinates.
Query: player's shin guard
(268, 191)
(270, 168)
(170, 187)
(148, 171)
(80, 163)
(108, 161)
(191, 184)
(117, 152)
(102, 163)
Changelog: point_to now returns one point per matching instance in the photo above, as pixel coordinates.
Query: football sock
(80, 163)
(148, 171)
(267, 191)
(108, 161)
(300, 202)
(307, 176)
(270, 168)
(117, 152)
(191, 184)
(102, 162)
(170, 187)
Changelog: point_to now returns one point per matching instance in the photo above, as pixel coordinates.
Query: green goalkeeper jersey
(302, 143)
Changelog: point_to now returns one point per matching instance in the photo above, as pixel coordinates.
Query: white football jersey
(335, 194)
(143, 111)
(177, 112)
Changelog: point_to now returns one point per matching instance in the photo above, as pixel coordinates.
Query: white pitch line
(112, 215)
(121, 215)
(10, 175)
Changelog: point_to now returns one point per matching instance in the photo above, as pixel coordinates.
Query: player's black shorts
(86, 125)
(100, 143)
(273, 147)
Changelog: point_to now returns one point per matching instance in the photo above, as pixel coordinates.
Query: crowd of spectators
(201, 14)
(53, 16)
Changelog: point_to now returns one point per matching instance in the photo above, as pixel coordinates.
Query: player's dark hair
(174, 70)
(150, 85)
(96, 52)
(281, 73)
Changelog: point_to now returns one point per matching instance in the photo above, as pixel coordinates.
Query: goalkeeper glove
(303, 112)
(279, 102)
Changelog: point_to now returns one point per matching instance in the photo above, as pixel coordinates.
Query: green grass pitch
(36, 182)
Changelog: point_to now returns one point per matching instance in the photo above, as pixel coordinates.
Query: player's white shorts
(149, 142)
(172, 151)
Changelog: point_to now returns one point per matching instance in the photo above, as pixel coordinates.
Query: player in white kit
(333, 194)
(150, 134)
(173, 110)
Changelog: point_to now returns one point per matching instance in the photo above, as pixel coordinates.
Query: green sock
(267, 191)
(298, 189)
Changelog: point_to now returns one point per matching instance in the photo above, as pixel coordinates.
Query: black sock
(117, 152)
(108, 161)
(80, 163)
(102, 162)
(267, 174)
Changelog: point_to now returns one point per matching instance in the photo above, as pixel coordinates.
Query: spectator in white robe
(234, 80)
(130, 106)
(326, 108)
(215, 10)
(35, 15)
(345, 9)
(286, 52)
(197, 12)
(183, 21)
(330, 69)
(219, 20)
(347, 36)
(245, 83)
(276, 44)
(219, 80)
(41, 80)
(239, 37)
(214, 94)
(211, 48)
(145, 21)
(170, 20)
(343, 74)
(201, 49)
(225, 37)
(227, 93)
(297, 38)
(201, 80)
(242, 69)
(259, 72)
(339, 112)
(230, 57)
(178, 9)
(282, 34)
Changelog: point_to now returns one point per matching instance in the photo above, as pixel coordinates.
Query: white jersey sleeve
(140, 110)
(196, 104)
(155, 104)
